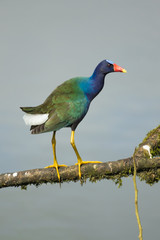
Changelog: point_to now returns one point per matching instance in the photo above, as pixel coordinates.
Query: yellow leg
(55, 163)
(79, 159)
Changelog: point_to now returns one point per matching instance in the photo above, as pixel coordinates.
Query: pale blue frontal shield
(109, 61)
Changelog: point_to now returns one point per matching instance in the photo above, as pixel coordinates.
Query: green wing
(65, 105)
(65, 114)
(69, 91)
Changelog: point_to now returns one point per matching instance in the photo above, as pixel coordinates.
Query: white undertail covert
(35, 119)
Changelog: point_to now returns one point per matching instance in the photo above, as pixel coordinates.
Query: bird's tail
(37, 129)
(33, 110)
(36, 118)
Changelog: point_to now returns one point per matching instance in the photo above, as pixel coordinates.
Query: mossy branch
(148, 168)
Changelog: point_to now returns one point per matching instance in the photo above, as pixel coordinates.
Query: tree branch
(146, 158)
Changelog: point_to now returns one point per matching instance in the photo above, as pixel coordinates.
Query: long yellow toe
(56, 166)
(80, 162)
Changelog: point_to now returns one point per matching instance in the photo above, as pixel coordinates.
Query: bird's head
(107, 66)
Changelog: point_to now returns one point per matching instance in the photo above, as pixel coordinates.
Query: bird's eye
(109, 65)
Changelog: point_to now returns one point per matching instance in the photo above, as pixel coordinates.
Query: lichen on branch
(146, 158)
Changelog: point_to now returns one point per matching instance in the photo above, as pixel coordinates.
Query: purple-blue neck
(96, 83)
(93, 85)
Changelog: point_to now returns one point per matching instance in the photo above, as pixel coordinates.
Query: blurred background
(44, 43)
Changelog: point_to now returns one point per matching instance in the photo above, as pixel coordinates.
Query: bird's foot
(80, 162)
(56, 166)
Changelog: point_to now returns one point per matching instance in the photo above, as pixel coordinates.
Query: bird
(66, 106)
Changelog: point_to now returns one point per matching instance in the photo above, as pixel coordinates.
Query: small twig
(136, 199)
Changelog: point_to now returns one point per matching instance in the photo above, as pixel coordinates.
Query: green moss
(24, 187)
(155, 151)
(119, 182)
(150, 133)
(150, 177)
(117, 178)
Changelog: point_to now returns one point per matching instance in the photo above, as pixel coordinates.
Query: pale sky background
(42, 44)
